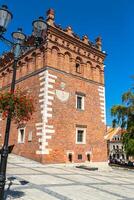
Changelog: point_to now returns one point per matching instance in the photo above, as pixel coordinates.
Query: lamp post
(17, 45)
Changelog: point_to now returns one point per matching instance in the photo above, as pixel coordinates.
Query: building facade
(116, 150)
(66, 76)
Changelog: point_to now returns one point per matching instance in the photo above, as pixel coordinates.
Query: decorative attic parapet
(50, 21)
(69, 39)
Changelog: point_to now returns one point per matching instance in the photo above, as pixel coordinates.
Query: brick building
(67, 77)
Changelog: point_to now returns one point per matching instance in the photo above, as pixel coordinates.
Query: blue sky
(112, 19)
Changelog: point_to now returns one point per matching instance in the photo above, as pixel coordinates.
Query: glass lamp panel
(40, 24)
(18, 36)
(5, 17)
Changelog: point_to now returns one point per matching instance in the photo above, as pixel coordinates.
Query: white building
(115, 145)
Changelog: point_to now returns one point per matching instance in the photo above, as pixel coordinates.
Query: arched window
(67, 57)
(78, 65)
(55, 52)
(78, 70)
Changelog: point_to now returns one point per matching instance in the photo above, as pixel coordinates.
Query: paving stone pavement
(30, 180)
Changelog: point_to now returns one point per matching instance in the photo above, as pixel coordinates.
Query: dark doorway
(70, 157)
(88, 157)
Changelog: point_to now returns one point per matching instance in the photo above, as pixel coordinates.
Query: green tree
(123, 116)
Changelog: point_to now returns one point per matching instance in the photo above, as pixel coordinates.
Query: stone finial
(69, 30)
(99, 43)
(85, 39)
(50, 16)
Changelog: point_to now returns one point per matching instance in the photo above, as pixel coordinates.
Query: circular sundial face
(62, 95)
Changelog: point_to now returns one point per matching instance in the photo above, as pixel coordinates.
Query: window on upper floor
(78, 67)
(80, 101)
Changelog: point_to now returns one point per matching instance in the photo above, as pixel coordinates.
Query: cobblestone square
(29, 180)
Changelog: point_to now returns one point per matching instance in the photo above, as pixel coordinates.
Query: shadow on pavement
(12, 194)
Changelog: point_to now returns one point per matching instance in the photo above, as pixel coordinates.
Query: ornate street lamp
(5, 17)
(17, 45)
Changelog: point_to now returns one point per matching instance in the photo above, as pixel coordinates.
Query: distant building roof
(111, 132)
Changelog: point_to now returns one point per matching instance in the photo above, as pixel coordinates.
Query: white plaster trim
(102, 107)
(42, 73)
(50, 86)
(102, 87)
(49, 115)
(41, 100)
(39, 133)
(38, 128)
(41, 94)
(101, 91)
(39, 124)
(49, 109)
(43, 152)
(50, 131)
(42, 83)
(42, 89)
(41, 78)
(101, 98)
(101, 95)
(102, 104)
(47, 81)
(50, 97)
(51, 80)
(51, 92)
(49, 103)
(48, 136)
(49, 126)
(52, 76)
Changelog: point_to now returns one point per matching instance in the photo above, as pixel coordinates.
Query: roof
(111, 132)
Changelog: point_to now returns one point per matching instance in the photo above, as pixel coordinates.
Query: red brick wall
(60, 54)
(66, 117)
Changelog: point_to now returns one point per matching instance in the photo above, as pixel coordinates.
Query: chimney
(50, 16)
(69, 30)
(99, 43)
(85, 39)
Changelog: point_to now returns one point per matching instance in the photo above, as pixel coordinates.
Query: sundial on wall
(61, 94)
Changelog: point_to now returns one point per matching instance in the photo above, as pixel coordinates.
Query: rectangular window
(79, 156)
(21, 135)
(80, 102)
(80, 136)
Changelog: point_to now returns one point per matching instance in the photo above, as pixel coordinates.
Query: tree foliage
(123, 116)
(19, 104)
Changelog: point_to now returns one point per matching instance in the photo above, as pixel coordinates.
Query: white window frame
(19, 136)
(84, 135)
(83, 102)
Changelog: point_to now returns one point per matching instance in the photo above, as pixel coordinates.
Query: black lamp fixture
(39, 26)
(5, 18)
(17, 45)
(19, 36)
